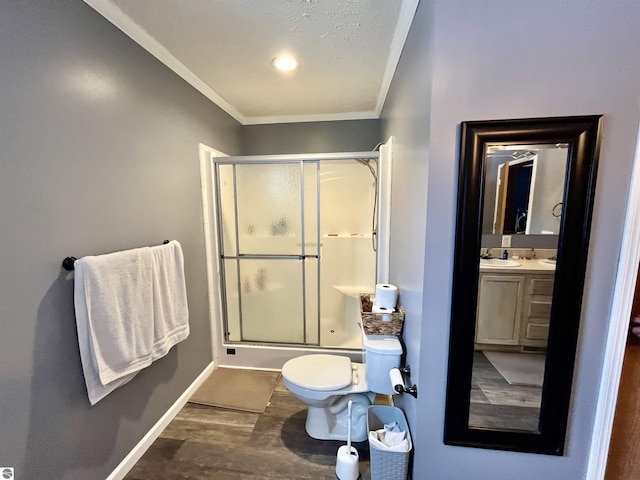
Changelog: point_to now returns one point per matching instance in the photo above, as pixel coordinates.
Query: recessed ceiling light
(285, 63)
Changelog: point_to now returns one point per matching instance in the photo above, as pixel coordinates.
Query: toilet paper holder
(401, 388)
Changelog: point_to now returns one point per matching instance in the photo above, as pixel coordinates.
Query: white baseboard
(134, 455)
(251, 368)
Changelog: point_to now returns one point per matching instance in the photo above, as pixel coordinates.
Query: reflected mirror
(524, 207)
(523, 189)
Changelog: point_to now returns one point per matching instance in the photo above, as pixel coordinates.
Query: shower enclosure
(296, 245)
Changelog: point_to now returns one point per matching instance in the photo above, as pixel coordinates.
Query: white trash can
(387, 465)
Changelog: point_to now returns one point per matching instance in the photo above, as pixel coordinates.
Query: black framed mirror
(518, 279)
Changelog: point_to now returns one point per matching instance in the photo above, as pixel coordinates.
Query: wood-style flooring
(497, 405)
(215, 443)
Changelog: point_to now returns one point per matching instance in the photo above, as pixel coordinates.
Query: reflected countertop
(526, 266)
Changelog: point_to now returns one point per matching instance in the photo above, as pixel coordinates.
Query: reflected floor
(495, 404)
(216, 443)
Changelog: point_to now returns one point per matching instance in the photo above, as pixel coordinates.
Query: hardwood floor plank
(214, 443)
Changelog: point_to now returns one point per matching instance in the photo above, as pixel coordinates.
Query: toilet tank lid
(384, 344)
(319, 372)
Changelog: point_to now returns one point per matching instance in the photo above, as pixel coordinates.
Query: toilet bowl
(326, 383)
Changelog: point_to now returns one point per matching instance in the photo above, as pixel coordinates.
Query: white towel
(171, 314)
(114, 318)
(131, 308)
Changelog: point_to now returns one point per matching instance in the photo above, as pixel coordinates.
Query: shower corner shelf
(373, 323)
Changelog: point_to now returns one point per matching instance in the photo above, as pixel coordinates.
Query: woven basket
(373, 323)
(387, 465)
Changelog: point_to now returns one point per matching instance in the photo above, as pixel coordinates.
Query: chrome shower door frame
(303, 256)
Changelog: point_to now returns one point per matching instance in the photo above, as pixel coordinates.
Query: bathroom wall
(311, 137)
(98, 153)
(406, 117)
(473, 60)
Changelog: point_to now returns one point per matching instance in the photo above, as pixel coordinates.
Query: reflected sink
(547, 262)
(498, 262)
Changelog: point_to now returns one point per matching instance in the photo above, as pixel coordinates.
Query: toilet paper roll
(386, 295)
(385, 313)
(397, 382)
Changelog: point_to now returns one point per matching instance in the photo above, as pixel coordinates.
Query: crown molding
(320, 117)
(405, 19)
(117, 17)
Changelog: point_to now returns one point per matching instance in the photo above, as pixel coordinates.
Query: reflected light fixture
(285, 63)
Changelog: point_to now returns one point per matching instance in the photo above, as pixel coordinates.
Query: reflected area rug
(237, 389)
(518, 368)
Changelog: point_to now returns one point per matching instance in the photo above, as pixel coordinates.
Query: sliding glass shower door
(296, 246)
(270, 251)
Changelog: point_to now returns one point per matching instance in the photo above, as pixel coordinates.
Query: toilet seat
(319, 372)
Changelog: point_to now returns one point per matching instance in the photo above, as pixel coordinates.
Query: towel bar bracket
(68, 262)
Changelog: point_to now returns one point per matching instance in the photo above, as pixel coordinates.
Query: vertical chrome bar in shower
(235, 214)
(304, 257)
(319, 245)
(215, 171)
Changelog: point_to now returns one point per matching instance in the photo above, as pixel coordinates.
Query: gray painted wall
(406, 118)
(98, 153)
(311, 137)
(474, 60)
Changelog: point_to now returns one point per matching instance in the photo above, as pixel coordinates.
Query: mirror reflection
(515, 310)
(524, 187)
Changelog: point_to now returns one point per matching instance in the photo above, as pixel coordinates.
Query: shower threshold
(269, 356)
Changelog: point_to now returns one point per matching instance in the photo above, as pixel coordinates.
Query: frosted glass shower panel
(272, 302)
(269, 201)
(232, 304)
(226, 189)
(312, 302)
(347, 198)
(311, 213)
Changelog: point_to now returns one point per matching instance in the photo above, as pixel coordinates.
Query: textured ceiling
(348, 50)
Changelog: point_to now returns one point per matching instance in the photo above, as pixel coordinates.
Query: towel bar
(68, 262)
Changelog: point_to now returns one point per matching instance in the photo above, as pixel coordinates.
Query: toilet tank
(383, 353)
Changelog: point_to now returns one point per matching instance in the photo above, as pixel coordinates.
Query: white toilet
(326, 383)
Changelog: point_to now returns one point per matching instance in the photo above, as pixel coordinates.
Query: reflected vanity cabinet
(536, 311)
(499, 308)
(513, 309)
